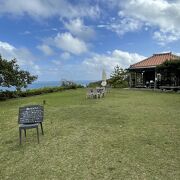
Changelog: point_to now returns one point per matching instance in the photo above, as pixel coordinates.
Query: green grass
(126, 135)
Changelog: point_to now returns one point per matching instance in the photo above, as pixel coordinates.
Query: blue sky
(76, 39)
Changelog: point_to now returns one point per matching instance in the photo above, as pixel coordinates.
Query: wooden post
(130, 80)
(42, 128)
(135, 78)
(155, 80)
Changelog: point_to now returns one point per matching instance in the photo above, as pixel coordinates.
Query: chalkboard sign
(31, 114)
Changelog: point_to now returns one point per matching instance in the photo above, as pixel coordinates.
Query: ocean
(42, 84)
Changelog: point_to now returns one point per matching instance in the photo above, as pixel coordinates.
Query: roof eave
(142, 67)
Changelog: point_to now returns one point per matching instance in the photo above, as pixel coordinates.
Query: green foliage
(94, 84)
(172, 66)
(4, 95)
(12, 75)
(22, 79)
(170, 70)
(97, 83)
(66, 83)
(7, 70)
(71, 84)
(118, 78)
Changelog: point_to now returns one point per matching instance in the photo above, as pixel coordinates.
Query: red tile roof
(154, 60)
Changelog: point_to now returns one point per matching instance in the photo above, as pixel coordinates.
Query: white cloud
(77, 28)
(124, 25)
(73, 41)
(158, 13)
(91, 68)
(178, 54)
(26, 32)
(54, 29)
(110, 60)
(161, 15)
(65, 55)
(45, 49)
(164, 37)
(48, 8)
(4, 46)
(24, 57)
(57, 62)
(66, 42)
(69, 43)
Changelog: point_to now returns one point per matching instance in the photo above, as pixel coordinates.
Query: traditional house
(143, 74)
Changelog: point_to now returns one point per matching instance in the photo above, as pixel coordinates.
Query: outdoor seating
(101, 90)
(98, 92)
(30, 117)
(90, 93)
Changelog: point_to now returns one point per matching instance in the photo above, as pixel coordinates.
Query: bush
(94, 84)
(118, 78)
(98, 84)
(8, 95)
(70, 84)
(32, 92)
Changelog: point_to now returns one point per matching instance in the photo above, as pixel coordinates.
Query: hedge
(4, 95)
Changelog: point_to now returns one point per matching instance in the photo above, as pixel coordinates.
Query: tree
(7, 72)
(172, 66)
(170, 70)
(118, 78)
(22, 79)
(12, 75)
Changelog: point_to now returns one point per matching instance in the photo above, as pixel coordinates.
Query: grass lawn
(126, 135)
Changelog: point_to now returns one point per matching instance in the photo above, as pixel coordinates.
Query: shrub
(94, 84)
(118, 78)
(8, 95)
(32, 92)
(70, 84)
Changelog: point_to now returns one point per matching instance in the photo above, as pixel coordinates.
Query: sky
(76, 39)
